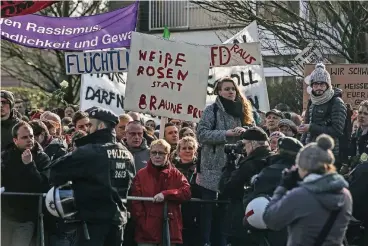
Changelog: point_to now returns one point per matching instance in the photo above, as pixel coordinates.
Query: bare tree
(45, 69)
(339, 28)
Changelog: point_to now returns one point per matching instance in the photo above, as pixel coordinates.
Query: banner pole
(163, 122)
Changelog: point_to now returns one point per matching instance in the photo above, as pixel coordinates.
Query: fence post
(166, 228)
(40, 219)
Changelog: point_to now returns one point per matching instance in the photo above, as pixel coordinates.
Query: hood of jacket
(143, 146)
(337, 92)
(327, 189)
(281, 159)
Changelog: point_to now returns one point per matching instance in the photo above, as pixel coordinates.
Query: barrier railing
(165, 228)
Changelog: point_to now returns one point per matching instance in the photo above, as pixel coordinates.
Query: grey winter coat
(141, 155)
(305, 209)
(212, 142)
(316, 118)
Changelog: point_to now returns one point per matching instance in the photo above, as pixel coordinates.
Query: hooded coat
(306, 209)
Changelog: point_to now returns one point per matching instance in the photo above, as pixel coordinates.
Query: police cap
(103, 115)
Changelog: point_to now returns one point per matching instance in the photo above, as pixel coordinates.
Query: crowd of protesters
(293, 160)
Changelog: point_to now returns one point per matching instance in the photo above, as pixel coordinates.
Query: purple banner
(103, 31)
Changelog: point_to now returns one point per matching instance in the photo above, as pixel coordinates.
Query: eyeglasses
(5, 102)
(158, 153)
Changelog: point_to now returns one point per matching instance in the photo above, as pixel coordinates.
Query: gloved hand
(290, 178)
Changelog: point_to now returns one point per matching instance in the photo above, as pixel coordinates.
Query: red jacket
(148, 182)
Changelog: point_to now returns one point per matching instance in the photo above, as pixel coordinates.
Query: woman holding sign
(221, 123)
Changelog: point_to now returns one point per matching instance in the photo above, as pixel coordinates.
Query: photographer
(255, 144)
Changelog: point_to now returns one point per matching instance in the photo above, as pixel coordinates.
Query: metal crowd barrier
(165, 228)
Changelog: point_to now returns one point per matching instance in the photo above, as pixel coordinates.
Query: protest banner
(310, 55)
(101, 91)
(103, 31)
(167, 78)
(96, 62)
(250, 78)
(352, 79)
(227, 55)
(95, 86)
(17, 8)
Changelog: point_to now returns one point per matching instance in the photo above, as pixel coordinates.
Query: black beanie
(289, 145)
(8, 95)
(255, 134)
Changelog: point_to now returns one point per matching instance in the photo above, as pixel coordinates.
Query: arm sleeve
(338, 116)
(182, 193)
(358, 190)
(137, 206)
(234, 179)
(283, 208)
(204, 131)
(69, 167)
(38, 177)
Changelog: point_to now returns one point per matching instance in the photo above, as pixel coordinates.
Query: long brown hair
(247, 106)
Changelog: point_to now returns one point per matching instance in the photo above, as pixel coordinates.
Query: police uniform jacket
(101, 171)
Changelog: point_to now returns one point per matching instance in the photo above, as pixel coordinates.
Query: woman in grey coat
(221, 123)
(321, 196)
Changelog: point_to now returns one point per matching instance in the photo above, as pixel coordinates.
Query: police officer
(101, 171)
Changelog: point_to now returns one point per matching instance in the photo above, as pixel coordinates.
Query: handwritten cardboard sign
(227, 55)
(351, 78)
(167, 78)
(111, 61)
(310, 55)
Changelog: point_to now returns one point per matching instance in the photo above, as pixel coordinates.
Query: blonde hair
(247, 107)
(186, 140)
(126, 117)
(163, 143)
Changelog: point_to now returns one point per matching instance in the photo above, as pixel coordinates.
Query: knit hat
(289, 123)
(254, 134)
(320, 75)
(275, 112)
(8, 95)
(314, 156)
(289, 145)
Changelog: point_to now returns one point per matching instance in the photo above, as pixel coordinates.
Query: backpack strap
(326, 228)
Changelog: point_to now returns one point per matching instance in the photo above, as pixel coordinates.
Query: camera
(237, 148)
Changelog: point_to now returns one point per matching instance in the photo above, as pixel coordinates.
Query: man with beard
(53, 147)
(81, 121)
(136, 144)
(273, 118)
(8, 118)
(21, 165)
(318, 118)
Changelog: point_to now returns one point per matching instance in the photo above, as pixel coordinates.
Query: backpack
(344, 140)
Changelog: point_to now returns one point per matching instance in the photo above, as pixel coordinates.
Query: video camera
(237, 148)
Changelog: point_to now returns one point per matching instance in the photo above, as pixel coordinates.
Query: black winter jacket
(101, 171)
(6, 129)
(18, 177)
(232, 186)
(319, 122)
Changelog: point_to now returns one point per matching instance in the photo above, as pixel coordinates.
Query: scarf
(233, 108)
(324, 98)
